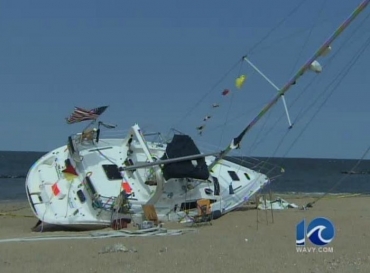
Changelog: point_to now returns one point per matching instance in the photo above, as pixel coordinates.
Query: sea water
(301, 175)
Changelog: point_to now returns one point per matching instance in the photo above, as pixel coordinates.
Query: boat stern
(47, 184)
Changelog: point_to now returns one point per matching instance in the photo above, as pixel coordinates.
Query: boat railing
(261, 165)
(103, 202)
(151, 177)
(81, 141)
(73, 149)
(150, 136)
(118, 203)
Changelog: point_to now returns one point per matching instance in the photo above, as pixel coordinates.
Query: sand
(234, 243)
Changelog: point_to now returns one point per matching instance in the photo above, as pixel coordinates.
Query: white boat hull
(88, 198)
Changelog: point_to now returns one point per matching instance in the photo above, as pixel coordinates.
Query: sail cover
(180, 146)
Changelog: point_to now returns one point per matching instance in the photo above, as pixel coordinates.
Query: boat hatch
(112, 172)
(81, 196)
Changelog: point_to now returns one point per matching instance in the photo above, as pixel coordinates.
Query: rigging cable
(310, 204)
(276, 26)
(253, 47)
(341, 75)
(230, 105)
(365, 153)
(330, 60)
(302, 111)
(207, 93)
(309, 35)
(344, 71)
(305, 43)
(264, 38)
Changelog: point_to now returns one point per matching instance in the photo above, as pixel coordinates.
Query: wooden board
(150, 213)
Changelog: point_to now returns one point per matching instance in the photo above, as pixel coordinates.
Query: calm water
(301, 175)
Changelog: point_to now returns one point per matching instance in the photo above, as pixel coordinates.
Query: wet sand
(234, 243)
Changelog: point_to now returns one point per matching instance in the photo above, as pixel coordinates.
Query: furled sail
(180, 146)
(316, 67)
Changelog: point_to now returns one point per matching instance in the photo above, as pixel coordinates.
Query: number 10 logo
(320, 232)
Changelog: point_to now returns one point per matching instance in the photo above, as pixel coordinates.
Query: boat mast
(236, 141)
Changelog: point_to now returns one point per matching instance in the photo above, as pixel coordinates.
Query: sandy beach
(234, 243)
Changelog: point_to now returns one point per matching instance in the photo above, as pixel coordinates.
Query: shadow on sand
(45, 227)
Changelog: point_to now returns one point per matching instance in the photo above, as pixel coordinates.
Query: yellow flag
(240, 81)
(69, 177)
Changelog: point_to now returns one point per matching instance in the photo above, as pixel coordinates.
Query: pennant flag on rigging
(80, 114)
(240, 81)
(225, 92)
(200, 128)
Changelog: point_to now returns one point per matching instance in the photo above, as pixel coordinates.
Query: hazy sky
(161, 64)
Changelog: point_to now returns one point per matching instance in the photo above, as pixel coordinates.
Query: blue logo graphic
(320, 232)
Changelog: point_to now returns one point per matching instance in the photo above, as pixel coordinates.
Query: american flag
(80, 114)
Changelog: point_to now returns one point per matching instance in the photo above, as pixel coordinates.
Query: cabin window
(188, 205)
(112, 172)
(247, 176)
(216, 186)
(192, 204)
(233, 176)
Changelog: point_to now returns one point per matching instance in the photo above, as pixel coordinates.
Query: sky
(162, 64)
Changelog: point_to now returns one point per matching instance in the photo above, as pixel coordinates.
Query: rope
(156, 231)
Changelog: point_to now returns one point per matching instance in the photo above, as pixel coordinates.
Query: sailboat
(93, 181)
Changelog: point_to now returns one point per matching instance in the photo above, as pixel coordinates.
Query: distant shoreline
(252, 156)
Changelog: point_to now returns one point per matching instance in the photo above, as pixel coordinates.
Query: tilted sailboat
(92, 181)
